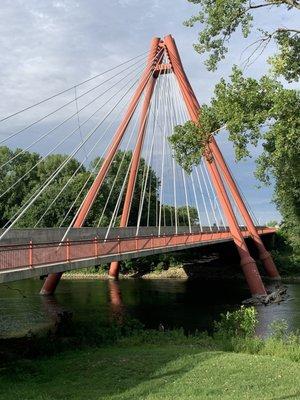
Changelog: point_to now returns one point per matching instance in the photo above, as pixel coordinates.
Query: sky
(47, 46)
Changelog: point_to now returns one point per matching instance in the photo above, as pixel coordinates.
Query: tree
(221, 19)
(11, 173)
(117, 173)
(46, 212)
(183, 216)
(253, 111)
(26, 173)
(272, 223)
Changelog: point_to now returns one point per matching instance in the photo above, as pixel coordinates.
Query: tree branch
(290, 3)
(287, 30)
(262, 43)
(254, 6)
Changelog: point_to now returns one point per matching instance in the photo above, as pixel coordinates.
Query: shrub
(240, 323)
(279, 329)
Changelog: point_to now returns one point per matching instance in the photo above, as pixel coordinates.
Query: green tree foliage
(189, 141)
(238, 323)
(10, 173)
(119, 168)
(272, 223)
(253, 111)
(51, 207)
(183, 215)
(286, 61)
(221, 19)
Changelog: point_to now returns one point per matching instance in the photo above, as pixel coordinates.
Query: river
(190, 304)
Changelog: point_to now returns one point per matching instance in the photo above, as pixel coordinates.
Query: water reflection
(288, 310)
(57, 315)
(172, 303)
(117, 308)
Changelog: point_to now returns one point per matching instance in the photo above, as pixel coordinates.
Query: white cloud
(47, 46)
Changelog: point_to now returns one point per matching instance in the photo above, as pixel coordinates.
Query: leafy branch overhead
(254, 111)
(189, 141)
(219, 20)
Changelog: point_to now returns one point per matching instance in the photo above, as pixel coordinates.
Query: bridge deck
(25, 260)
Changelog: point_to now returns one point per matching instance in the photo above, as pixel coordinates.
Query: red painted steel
(154, 56)
(68, 249)
(91, 195)
(50, 284)
(115, 265)
(215, 164)
(247, 262)
(30, 254)
(13, 256)
(264, 255)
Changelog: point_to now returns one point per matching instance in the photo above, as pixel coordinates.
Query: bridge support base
(50, 284)
(114, 269)
(252, 276)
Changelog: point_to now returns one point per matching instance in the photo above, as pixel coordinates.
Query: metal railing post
(68, 250)
(95, 247)
(31, 254)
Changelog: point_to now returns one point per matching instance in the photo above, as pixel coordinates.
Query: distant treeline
(23, 174)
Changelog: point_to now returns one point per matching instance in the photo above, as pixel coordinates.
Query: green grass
(156, 371)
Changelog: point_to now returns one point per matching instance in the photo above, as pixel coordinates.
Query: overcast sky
(47, 46)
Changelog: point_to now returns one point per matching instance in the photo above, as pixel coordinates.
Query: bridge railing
(30, 254)
(50, 235)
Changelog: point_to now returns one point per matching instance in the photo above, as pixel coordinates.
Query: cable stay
(33, 198)
(71, 88)
(168, 196)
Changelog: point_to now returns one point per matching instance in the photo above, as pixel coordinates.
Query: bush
(286, 253)
(250, 345)
(279, 329)
(239, 323)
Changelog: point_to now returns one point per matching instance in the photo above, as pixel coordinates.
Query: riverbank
(122, 361)
(170, 273)
(177, 272)
(159, 365)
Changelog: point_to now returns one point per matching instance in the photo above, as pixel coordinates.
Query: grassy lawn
(152, 372)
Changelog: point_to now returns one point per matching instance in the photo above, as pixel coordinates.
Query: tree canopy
(253, 111)
(221, 19)
(29, 171)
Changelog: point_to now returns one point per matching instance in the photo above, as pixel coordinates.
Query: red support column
(264, 255)
(91, 195)
(50, 284)
(154, 55)
(115, 265)
(248, 264)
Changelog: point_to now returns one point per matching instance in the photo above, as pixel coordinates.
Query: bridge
(90, 248)
(140, 199)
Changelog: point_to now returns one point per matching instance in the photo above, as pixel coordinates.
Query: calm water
(173, 303)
